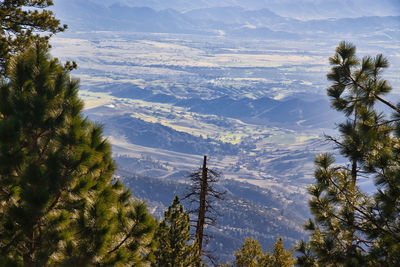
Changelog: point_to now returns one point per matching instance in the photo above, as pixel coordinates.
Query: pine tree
(202, 193)
(280, 257)
(58, 202)
(350, 227)
(251, 255)
(21, 22)
(173, 237)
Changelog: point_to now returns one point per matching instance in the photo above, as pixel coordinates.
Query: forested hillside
(200, 133)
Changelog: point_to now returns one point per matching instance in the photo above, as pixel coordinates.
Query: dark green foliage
(23, 21)
(172, 239)
(350, 227)
(58, 202)
(251, 255)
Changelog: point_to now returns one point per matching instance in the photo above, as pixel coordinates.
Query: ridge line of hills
(231, 21)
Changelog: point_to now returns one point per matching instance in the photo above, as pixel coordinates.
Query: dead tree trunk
(202, 194)
(202, 207)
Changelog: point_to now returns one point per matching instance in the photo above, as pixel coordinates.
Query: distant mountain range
(231, 20)
(304, 9)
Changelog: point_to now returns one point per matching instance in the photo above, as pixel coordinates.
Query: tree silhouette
(202, 194)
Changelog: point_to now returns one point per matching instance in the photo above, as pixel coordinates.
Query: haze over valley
(245, 85)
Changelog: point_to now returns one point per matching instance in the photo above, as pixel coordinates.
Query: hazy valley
(245, 87)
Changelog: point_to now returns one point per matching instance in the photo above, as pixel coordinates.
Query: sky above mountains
(300, 9)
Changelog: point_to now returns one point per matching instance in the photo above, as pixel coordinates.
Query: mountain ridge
(289, 8)
(233, 20)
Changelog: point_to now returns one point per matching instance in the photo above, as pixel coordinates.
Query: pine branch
(375, 95)
(125, 239)
(348, 201)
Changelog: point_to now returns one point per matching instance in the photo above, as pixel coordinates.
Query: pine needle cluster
(251, 255)
(59, 203)
(351, 227)
(21, 23)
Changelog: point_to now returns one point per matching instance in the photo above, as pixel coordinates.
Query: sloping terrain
(245, 85)
(262, 216)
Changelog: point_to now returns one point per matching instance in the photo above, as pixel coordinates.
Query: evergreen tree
(350, 227)
(280, 257)
(58, 202)
(172, 238)
(251, 255)
(21, 22)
